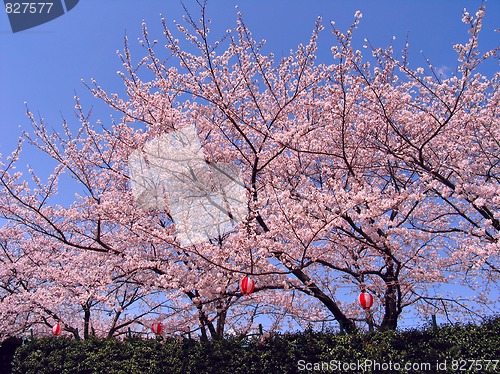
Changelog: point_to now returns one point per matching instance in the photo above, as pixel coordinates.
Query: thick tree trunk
(391, 305)
(86, 323)
(345, 323)
(204, 324)
(221, 321)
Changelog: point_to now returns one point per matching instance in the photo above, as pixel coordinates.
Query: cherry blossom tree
(355, 174)
(101, 265)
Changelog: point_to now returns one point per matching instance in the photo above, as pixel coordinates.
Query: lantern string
(252, 233)
(251, 261)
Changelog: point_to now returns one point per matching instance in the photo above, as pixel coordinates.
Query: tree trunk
(391, 309)
(345, 323)
(86, 318)
(221, 321)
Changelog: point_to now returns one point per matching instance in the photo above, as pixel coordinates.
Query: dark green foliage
(7, 349)
(280, 353)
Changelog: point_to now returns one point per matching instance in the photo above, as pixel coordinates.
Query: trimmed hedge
(279, 353)
(7, 350)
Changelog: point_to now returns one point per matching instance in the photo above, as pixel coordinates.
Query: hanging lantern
(365, 300)
(157, 328)
(247, 286)
(57, 329)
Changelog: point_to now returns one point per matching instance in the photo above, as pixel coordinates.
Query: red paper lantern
(365, 300)
(247, 286)
(157, 328)
(56, 329)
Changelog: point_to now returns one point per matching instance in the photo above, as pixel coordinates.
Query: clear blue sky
(44, 65)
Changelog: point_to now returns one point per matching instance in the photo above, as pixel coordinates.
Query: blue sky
(44, 66)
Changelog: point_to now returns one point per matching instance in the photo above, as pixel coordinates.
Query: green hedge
(280, 353)
(7, 350)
